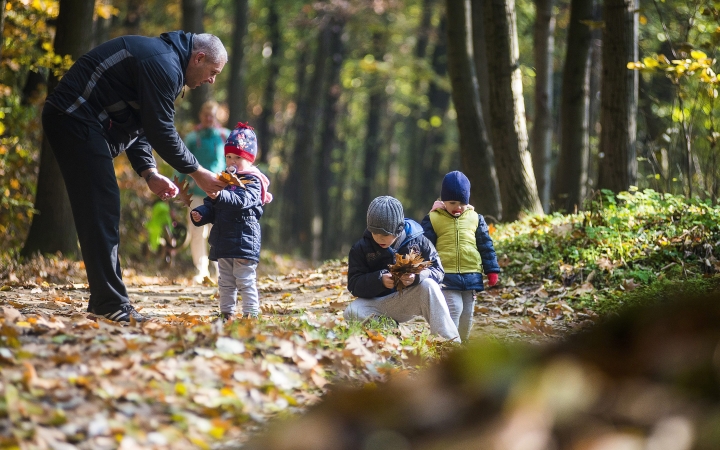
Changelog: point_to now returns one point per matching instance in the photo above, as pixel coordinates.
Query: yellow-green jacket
(464, 245)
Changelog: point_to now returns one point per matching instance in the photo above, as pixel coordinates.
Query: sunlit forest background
(355, 99)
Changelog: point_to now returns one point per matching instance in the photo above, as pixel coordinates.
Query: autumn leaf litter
(184, 380)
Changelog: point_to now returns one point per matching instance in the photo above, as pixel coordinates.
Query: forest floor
(74, 380)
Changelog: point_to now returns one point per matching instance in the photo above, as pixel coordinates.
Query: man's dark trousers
(87, 167)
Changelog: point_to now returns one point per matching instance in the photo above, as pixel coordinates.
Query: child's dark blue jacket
(466, 281)
(368, 261)
(235, 215)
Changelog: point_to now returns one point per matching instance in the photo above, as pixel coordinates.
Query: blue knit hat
(242, 142)
(455, 187)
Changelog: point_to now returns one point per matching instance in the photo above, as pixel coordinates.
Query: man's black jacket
(127, 87)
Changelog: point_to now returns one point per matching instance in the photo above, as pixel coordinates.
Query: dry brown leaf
(184, 187)
(231, 178)
(411, 263)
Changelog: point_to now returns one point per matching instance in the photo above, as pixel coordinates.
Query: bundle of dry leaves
(411, 263)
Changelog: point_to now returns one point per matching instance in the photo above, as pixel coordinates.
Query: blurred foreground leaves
(648, 379)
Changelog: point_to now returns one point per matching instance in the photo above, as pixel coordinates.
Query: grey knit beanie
(385, 216)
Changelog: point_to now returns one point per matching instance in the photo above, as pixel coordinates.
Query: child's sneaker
(250, 316)
(225, 317)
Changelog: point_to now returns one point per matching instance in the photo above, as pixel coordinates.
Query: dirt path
(507, 312)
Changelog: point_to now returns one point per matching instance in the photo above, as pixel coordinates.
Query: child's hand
(408, 279)
(196, 216)
(387, 280)
(492, 279)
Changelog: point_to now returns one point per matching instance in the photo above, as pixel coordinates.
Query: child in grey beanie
(389, 234)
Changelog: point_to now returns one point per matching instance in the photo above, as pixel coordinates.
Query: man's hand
(387, 280)
(408, 279)
(160, 185)
(208, 181)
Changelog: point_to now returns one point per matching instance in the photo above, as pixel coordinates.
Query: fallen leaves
(406, 264)
(183, 380)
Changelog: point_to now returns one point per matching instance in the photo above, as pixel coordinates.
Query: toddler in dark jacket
(390, 234)
(235, 213)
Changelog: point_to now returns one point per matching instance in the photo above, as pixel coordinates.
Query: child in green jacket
(466, 250)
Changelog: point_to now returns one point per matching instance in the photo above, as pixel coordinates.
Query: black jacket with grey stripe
(128, 86)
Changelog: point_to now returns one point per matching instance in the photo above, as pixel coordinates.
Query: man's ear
(199, 57)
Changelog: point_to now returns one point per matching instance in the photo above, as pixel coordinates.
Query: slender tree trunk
(377, 103)
(439, 100)
(2, 24)
(541, 145)
(480, 57)
(237, 100)
(618, 110)
(133, 16)
(193, 13)
(53, 228)
(571, 170)
(299, 188)
(101, 27)
(265, 120)
(418, 151)
(326, 179)
(518, 189)
(33, 87)
(476, 153)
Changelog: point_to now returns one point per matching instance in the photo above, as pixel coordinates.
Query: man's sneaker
(225, 317)
(123, 314)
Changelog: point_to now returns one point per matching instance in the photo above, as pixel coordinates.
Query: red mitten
(492, 279)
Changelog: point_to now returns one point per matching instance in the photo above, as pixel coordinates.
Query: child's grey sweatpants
(462, 306)
(424, 299)
(235, 274)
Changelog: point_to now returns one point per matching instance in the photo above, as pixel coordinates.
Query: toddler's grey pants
(462, 306)
(424, 299)
(235, 274)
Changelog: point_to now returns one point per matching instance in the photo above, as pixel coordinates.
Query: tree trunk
(518, 190)
(101, 26)
(439, 100)
(237, 101)
(193, 13)
(2, 24)
(265, 120)
(377, 101)
(571, 170)
(541, 145)
(53, 228)
(134, 14)
(476, 153)
(326, 178)
(619, 92)
(299, 188)
(480, 57)
(416, 202)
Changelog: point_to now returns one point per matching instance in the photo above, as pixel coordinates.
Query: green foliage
(678, 43)
(621, 242)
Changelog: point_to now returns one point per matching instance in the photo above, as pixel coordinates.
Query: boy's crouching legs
(434, 308)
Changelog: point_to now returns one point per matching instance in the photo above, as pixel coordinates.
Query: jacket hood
(412, 230)
(182, 42)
